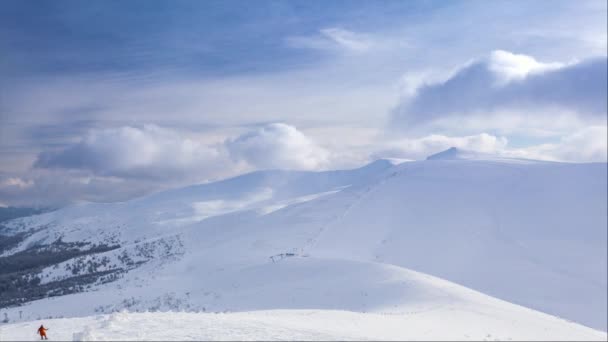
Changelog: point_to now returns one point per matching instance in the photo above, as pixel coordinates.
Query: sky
(104, 101)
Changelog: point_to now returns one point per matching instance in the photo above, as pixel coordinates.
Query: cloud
(332, 38)
(510, 66)
(420, 148)
(161, 153)
(332, 75)
(278, 146)
(56, 188)
(587, 145)
(116, 164)
(148, 152)
(347, 39)
(16, 182)
(511, 85)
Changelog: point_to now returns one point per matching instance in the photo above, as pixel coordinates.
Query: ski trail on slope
(312, 242)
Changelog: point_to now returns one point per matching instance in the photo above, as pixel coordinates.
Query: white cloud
(278, 146)
(420, 148)
(16, 182)
(509, 66)
(116, 164)
(587, 145)
(333, 38)
(506, 87)
(347, 81)
(121, 163)
(51, 188)
(347, 39)
(149, 151)
(154, 152)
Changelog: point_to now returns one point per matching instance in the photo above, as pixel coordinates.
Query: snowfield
(460, 246)
(440, 324)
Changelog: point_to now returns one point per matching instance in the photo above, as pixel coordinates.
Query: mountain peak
(454, 153)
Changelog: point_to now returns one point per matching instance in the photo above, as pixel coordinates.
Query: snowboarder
(42, 331)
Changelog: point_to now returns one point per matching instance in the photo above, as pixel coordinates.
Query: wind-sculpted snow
(530, 233)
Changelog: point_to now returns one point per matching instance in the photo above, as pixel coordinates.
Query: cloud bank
(160, 153)
(115, 164)
(420, 148)
(148, 152)
(587, 145)
(507, 86)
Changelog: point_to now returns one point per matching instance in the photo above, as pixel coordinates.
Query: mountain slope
(455, 322)
(531, 233)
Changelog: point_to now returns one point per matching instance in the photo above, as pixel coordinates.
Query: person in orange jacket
(42, 331)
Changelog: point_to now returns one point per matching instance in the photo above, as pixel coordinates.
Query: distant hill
(9, 213)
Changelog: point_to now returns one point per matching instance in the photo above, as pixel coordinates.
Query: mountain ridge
(203, 247)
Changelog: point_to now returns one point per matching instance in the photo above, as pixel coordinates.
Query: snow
(454, 153)
(533, 234)
(304, 325)
(447, 248)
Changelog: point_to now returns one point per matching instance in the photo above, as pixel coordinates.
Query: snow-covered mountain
(375, 239)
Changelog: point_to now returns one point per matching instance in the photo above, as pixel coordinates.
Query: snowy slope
(531, 233)
(435, 325)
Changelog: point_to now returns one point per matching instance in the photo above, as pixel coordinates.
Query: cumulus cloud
(148, 152)
(116, 164)
(155, 152)
(277, 146)
(506, 84)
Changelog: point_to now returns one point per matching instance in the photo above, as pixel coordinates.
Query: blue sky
(106, 100)
(207, 38)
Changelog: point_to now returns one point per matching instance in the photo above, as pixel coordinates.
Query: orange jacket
(42, 331)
